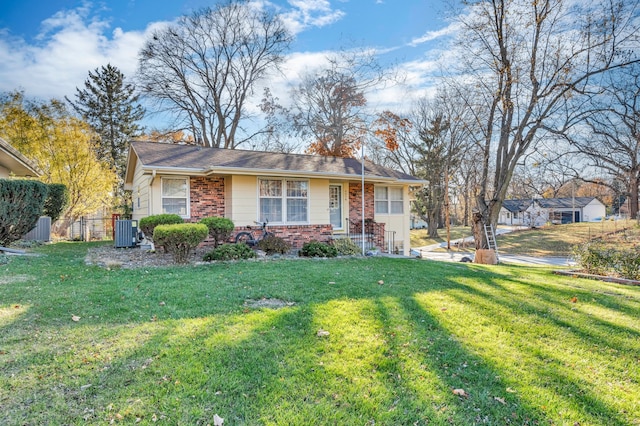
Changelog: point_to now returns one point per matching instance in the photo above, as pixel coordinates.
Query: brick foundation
(295, 235)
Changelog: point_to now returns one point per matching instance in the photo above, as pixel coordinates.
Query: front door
(335, 206)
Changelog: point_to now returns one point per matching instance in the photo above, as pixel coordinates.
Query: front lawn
(409, 342)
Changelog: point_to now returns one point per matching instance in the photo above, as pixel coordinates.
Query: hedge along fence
(597, 259)
(21, 205)
(180, 239)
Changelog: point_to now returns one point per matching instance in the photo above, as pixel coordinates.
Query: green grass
(178, 345)
(420, 237)
(558, 240)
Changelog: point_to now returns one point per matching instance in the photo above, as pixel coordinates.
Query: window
(175, 196)
(388, 200)
(284, 201)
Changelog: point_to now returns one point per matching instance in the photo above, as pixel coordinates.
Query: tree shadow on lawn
(574, 378)
(389, 357)
(261, 366)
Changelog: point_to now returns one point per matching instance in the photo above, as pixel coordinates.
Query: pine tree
(110, 106)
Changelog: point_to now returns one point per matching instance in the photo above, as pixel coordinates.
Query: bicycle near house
(250, 238)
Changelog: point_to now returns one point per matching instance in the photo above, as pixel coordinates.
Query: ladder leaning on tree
(491, 239)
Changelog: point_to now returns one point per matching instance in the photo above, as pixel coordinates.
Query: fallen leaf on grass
(322, 333)
(380, 282)
(217, 420)
(461, 392)
(161, 303)
(510, 390)
(75, 318)
(500, 400)
(574, 300)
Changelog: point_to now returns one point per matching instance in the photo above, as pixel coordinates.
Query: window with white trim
(388, 200)
(284, 200)
(175, 196)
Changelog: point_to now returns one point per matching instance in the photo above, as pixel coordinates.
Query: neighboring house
(303, 197)
(13, 163)
(514, 212)
(554, 210)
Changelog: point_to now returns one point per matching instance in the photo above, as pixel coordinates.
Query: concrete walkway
(427, 252)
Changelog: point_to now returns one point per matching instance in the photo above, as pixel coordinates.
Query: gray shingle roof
(195, 158)
(564, 203)
(547, 203)
(516, 206)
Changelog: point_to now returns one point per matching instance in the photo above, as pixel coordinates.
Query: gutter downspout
(150, 202)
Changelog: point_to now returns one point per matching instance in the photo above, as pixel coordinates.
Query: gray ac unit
(126, 233)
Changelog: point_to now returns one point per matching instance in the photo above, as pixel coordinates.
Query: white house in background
(13, 163)
(554, 210)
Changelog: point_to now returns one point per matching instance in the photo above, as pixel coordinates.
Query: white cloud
(70, 44)
(310, 13)
(433, 35)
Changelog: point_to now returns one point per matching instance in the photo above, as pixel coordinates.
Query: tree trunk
(633, 195)
(434, 217)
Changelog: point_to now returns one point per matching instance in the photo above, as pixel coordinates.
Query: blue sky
(47, 47)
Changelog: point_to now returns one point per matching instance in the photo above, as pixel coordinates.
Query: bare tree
(529, 64)
(611, 138)
(204, 68)
(330, 105)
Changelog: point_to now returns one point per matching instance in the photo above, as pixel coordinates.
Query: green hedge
(56, 201)
(21, 205)
(346, 247)
(149, 223)
(220, 229)
(595, 258)
(230, 252)
(274, 245)
(180, 239)
(318, 249)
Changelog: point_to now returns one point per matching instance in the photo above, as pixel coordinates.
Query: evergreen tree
(110, 106)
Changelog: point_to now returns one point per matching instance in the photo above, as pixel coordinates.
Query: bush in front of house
(21, 205)
(346, 247)
(220, 229)
(148, 224)
(318, 249)
(230, 252)
(274, 245)
(179, 239)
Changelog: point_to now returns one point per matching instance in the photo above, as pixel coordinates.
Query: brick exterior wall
(295, 235)
(355, 201)
(207, 197)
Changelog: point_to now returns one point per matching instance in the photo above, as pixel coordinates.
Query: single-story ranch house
(554, 210)
(303, 197)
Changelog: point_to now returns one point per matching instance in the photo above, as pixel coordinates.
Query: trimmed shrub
(149, 223)
(274, 245)
(179, 239)
(56, 201)
(220, 229)
(230, 252)
(21, 205)
(346, 247)
(318, 249)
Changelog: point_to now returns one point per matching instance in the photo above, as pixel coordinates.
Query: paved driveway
(427, 252)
